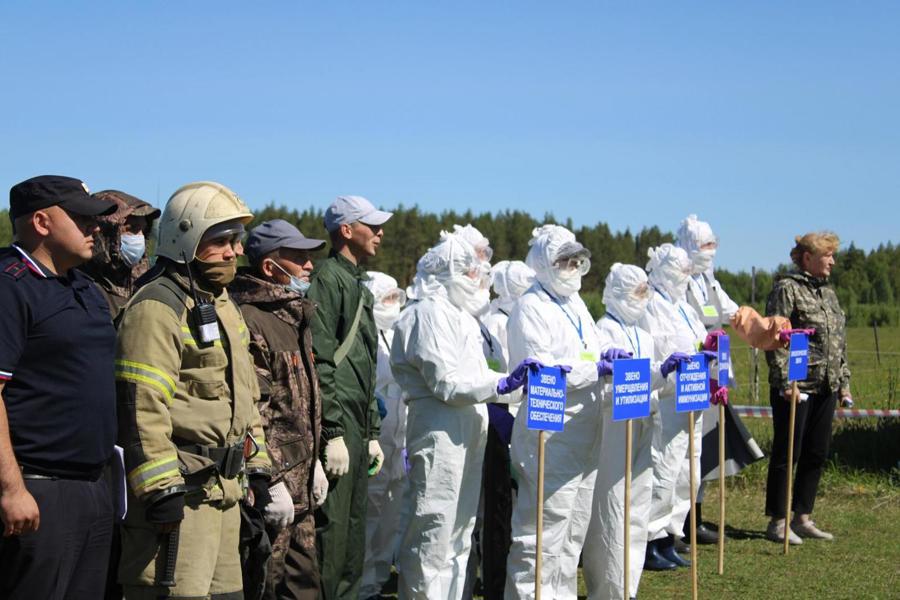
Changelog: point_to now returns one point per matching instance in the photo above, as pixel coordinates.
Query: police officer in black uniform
(57, 415)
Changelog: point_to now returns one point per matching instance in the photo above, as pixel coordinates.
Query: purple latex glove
(671, 363)
(616, 353)
(604, 368)
(501, 420)
(710, 355)
(564, 368)
(785, 334)
(516, 379)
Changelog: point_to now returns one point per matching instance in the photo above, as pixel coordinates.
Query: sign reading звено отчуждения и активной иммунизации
(692, 384)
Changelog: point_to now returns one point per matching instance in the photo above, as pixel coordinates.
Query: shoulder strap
(345, 346)
(165, 291)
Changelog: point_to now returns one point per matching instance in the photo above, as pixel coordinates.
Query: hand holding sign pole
(692, 393)
(798, 361)
(546, 406)
(631, 400)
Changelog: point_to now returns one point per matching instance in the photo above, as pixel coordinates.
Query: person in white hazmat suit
(386, 490)
(626, 295)
(437, 360)
(550, 322)
(509, 279)
(715, 308)
(677, 332)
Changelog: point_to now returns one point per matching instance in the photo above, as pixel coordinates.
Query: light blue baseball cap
(350, 209)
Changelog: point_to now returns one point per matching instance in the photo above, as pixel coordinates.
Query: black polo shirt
(57, 347)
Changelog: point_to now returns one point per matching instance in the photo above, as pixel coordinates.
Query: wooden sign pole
(795, 396)
(693, 513)
(540, 517)
(627, 558)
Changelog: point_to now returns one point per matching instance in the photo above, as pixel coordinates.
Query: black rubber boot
(653, 560)
(705, 535)
(667, 551)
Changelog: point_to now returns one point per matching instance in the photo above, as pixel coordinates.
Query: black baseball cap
(44, 191)
(275, 234)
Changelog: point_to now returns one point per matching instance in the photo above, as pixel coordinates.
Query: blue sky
(765, 119)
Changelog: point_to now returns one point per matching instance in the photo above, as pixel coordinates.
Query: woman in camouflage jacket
(806, 298)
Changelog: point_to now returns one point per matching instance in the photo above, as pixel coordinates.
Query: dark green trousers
(341, 524)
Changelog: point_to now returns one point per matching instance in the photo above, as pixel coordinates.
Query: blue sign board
(692, 385)
(799, 357)
(546, 399)
(724, 360)
(631, 389)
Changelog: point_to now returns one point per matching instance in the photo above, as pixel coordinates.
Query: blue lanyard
(637, 348)
(568, 316)
(681, 310)
(703, 288)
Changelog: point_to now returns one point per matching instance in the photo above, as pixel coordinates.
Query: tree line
(868, 284)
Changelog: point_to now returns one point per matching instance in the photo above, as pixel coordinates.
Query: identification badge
(493, 364)
(710, 311)
(589, 356)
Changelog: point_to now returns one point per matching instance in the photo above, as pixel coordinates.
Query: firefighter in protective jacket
(187, 393)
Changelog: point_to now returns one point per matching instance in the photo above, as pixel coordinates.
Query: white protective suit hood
(385, 314)
(622, 293)
(510, 279)
(546, 243)
(444, 270)
(692, 235)
(669, 270)
(482, 245)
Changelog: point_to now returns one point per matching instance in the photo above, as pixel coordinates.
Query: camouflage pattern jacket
(809, 302)
(281, 345)
(113, 277)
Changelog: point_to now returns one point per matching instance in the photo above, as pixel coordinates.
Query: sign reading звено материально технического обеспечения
(546, 399)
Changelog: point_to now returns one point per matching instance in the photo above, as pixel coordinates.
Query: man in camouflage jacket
(112, 270)
(279, 318)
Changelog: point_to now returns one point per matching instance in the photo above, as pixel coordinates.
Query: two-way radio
(203, 313)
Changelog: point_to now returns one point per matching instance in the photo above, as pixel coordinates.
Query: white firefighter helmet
(191, 211)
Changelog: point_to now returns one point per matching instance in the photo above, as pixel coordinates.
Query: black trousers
(67, 557)
(497, 530)
(812, 437)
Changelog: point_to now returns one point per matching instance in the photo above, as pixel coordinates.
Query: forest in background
(867, 283)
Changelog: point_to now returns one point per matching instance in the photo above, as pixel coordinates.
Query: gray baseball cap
(277, 233)
(350, 209)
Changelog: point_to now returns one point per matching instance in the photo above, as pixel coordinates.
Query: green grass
(873, 384)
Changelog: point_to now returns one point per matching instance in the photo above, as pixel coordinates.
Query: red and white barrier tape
(765, 412)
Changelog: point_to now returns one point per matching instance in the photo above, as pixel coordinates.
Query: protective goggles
(391, 297)
(641, 292)
(581, 264)
(484, 253)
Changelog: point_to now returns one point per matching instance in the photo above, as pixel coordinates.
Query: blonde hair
(816, 242)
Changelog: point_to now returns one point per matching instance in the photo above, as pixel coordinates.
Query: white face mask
(565, 283)
(468, 295)
(630, 311)
(703, 260)
(386, 315)
(131, 248)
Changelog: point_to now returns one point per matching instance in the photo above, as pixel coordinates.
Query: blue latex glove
(564, 368)
(501, 420)
(671, 363)
(604, 368)
(382, 409)
(616, 353)
(516, 379)
(710, 355)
